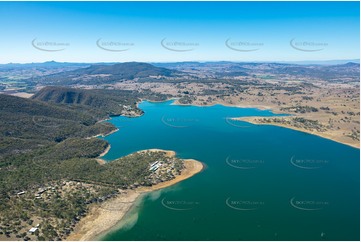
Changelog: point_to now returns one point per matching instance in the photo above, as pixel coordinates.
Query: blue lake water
(260, 182)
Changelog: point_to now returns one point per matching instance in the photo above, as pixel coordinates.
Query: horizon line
(199, 61)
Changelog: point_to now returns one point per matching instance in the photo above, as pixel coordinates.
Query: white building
(32, 230)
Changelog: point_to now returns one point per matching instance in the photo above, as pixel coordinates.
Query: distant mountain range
(307, 62)
(164, 64)
(349, 71)
(71, 74)
(326, 62)
(102, 74)
(127, 70)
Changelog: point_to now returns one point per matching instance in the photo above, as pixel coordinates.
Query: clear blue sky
(265, 27)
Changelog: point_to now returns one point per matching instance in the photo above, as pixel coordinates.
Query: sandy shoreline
(104, 217)
(103, 135)
(323, 135)
(111, 132)
(99, 158)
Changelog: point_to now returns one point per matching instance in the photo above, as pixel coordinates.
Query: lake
(260, 182)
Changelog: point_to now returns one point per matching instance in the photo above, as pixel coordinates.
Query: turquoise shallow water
(260, 182)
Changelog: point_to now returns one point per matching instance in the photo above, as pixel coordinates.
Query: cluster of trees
(29, 125)
(59, 204)
(300, 109)
(297, 122)
(99, 103)
(57, 211)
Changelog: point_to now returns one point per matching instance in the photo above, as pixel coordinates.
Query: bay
(260, 182)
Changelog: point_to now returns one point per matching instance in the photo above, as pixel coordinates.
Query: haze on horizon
(178, 31)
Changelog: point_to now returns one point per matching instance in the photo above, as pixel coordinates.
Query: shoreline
(105, 217)
(111, 132)
(99, 158)
(331, 137)
(263, 107)
(256, 106)
(325, 135)
(103, 135)
(273, 110)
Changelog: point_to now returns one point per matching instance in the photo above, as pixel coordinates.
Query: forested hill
(127, 70)
(106, 102)
(28, 124)
(100, 74)
(55, 114)
(55, 125)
